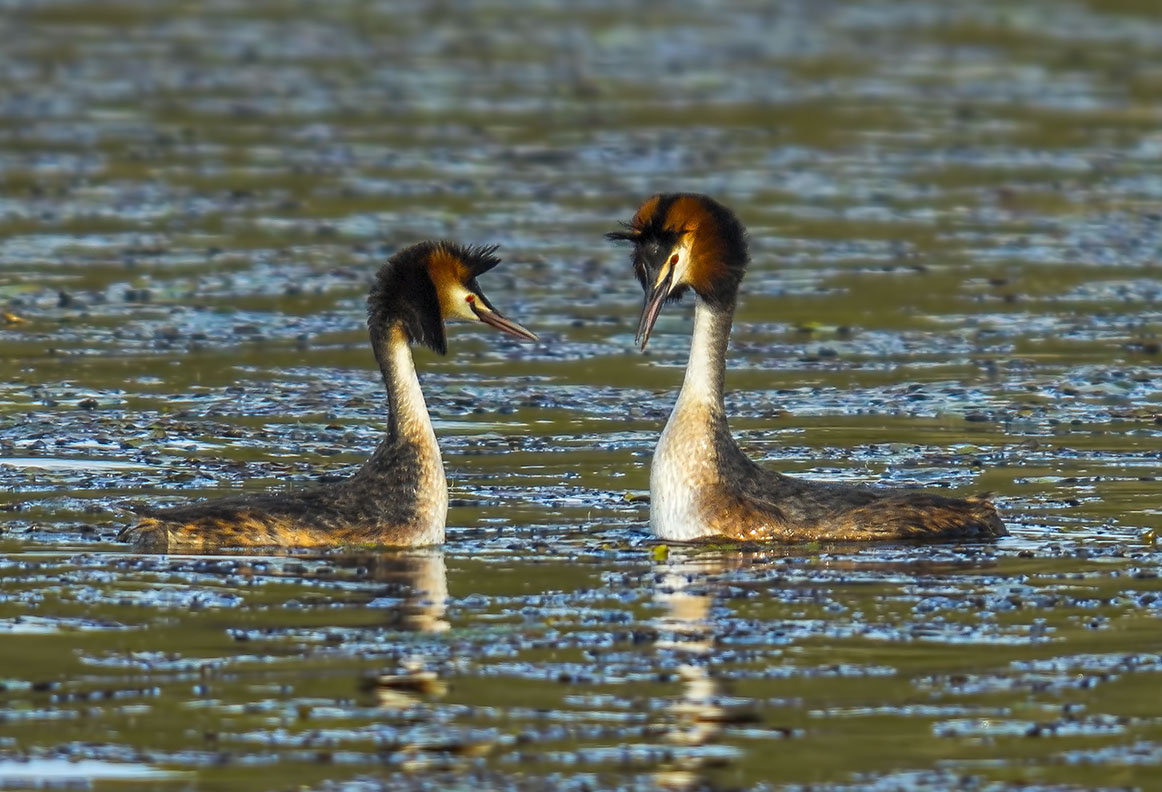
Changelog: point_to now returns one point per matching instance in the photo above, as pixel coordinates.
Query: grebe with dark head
(701, 484)
(399, 497)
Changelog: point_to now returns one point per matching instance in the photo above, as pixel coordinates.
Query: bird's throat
(408, 417)
(706, 368)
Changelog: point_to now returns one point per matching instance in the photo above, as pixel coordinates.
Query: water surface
(955, 213)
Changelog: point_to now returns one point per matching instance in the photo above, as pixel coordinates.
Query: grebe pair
(701, 484)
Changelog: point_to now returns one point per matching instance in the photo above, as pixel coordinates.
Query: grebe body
(701, 484)
(399, 497)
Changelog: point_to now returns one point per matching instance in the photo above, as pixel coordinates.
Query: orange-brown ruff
(399, 497)
(701, 484)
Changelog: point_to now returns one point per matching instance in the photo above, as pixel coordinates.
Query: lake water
(955, 214)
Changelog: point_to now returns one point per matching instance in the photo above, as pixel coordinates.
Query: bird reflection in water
(419, 581)
(686, 587)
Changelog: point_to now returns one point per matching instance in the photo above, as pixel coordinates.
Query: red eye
(673, 259)
(470, 298)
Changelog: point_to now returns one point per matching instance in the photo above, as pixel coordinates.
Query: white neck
(409, 424)
(706, 366)
(407, 411)
(686, 460)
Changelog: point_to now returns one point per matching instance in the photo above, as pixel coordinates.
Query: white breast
(433, 505)
(683, 464)
(685, 467)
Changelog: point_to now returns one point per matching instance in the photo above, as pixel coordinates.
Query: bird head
(684, 241)
(426, 284)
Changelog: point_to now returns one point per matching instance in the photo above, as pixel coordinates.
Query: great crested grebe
(701, 484)
(399, 497)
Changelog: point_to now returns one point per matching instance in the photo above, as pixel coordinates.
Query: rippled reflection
(420, 580)
(687, 588)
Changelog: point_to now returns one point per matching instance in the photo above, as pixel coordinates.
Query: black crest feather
(630, 234)
(403, 291)
(479, 259)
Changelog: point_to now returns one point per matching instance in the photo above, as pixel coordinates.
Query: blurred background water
(955, 213)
